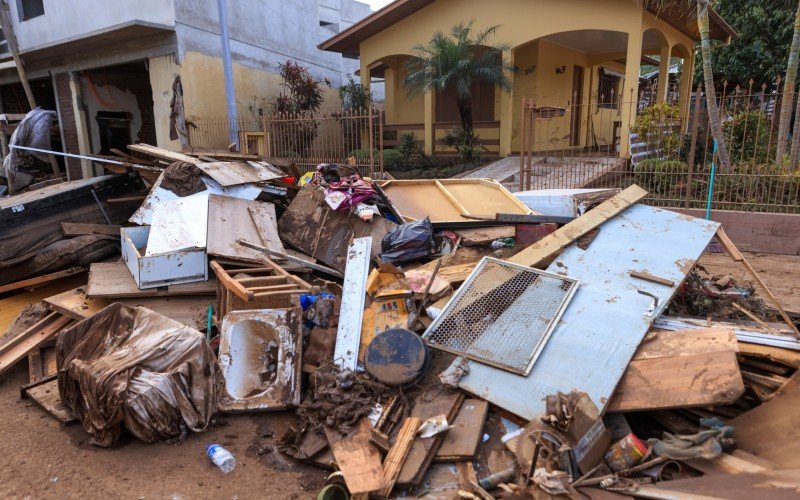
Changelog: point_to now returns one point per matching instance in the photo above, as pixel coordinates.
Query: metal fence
(349, 137)
(566, 145)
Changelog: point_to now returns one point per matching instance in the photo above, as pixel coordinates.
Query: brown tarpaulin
(131, 366)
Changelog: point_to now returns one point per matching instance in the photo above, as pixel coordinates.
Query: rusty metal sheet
(312, 227)
(608, 316)
(259, 354)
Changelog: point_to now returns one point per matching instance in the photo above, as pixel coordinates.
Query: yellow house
(577, 61)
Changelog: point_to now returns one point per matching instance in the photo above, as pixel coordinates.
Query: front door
(576, 106)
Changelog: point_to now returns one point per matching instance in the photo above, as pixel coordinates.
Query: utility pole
(230, 93)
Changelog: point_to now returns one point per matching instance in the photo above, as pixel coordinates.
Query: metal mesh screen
(502, 315)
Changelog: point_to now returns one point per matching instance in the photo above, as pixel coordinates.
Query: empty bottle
(221, 457)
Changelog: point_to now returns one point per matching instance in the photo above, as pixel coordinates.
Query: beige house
(577, 60)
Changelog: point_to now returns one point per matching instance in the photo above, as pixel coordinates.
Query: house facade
(577, 61)
(111, 69)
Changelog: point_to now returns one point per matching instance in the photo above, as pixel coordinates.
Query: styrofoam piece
(179, 225)
(608, 316)
(351, 313)
(260, 357)
(157, 195)
(159, 270)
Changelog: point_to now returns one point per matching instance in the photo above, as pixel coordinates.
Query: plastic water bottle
(221, 457)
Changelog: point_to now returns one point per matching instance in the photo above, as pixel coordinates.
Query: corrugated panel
(606, 320)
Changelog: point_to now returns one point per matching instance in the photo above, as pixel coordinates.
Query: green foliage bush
(466, 143)
(657, 126)
(661, 177)
(747, 137)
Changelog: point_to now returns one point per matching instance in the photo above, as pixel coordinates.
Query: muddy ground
(41, 459)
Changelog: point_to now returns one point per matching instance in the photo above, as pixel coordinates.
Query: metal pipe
(230, 93)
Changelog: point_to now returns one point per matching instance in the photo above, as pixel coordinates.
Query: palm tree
(714, 120)
(788, 91)
(455, 61)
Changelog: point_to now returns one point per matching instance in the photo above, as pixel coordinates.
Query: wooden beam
(41, 280)
(18, 347)
(79, 229)
(553, 243)
(163, 154)
(398, 453)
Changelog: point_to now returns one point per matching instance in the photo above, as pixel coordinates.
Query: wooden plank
(46, 395)
(398, 453)
(423, 450)
(40, 280)
(292, 258)
(726, 464)
(78, 229)
(348, 334)
(485, 235)
(461, 441)
(266, 224)
(163, 154)
(643, 275)
(772, 430)
(114, 280)
(234, 173)
(75, 304)
(18, 347)
(357, 458)
(553, 243)
(680, 369)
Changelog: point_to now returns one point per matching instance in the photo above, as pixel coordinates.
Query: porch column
(630, 93)
(663, 74)
(364, 74)
(685, 90)
(429, 133)
(507, 108)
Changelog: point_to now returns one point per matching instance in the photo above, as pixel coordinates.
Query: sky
(377, 4)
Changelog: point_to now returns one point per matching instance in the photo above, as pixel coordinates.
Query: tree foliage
(762, 47)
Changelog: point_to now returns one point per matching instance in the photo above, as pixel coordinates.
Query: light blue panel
(606, 320)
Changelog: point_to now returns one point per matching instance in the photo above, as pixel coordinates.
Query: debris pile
(442, 338)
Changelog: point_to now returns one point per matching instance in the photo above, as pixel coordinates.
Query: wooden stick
(397, 454)
(642, 275)
(753, 317)
(292, 258)
(729, 247)
(40, 280)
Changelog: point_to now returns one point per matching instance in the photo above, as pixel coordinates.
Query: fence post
(371, 145)
(522, 146)
(380, 140)
(693, 145)
(265, 125)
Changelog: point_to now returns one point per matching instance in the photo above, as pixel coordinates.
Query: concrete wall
(756, 232)
(65, 20)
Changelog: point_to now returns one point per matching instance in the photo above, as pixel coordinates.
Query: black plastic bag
(408, 242)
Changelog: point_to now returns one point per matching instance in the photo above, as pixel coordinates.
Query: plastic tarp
(34, 132)
(132, 367)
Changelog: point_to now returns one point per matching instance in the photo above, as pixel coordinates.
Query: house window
(28, 9)
(3, 43)
(608, 90)
(483, 98)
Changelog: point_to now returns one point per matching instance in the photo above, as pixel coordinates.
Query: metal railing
(565, 145)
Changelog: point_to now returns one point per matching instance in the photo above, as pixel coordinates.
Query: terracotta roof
(347, 41)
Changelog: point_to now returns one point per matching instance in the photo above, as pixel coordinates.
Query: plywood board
(163, 154)
(680, 369)
(608, 317)
(191, 310)
(422, 451)
(449, 200)
(229, 220)
(114, 280)
(233, 173)
(358, 459)
(772, 430)
(77, 229)
(266, 224)
(466, 431)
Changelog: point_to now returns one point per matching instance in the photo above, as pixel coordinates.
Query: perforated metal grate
(502, 315)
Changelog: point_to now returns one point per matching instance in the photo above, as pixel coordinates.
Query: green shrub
(657, 125)
(392, 159)
(466, 143)
(747, 136)
(661, 177)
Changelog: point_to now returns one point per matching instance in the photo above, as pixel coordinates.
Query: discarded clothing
(134, 367)
(33, 132)
(706, 444)
(183, 179)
